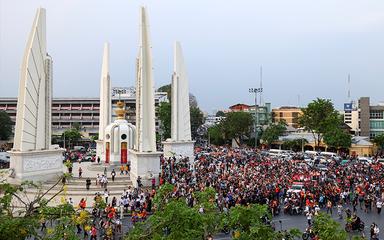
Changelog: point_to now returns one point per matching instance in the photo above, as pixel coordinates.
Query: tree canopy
(236, 125)
(165, 119)
(5, 126)
(327, 228)
(165, 111)
(319, 117)
(273, 132)
(220, 114)
(379, 140)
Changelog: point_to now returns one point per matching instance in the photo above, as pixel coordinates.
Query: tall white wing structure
(181, 124)
(33, 157)
(145, 101)
(33, 121)
(105, 94)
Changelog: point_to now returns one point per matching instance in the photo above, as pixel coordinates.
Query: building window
(281, 115)
(123, 136)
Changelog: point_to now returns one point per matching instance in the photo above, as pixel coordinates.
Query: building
(288, 114)
(85, 111)
(371, 118)
(351, 117)
(240, 107)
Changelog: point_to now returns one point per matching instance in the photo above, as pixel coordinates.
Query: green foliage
(236, 125)
(95, 137)
(77, 126)
(17, 227)
(327, 228)
(196, 116)
(337, 138)
(247, 222)
(173, 219)
(163, 193)
(220, 114)
(295, 144)
(318, 118)
(72, 135)
(165, 119)
(273, 132)
(197, 119)
(168, 89)
(5, 126)
(216, 135)
(379, 140)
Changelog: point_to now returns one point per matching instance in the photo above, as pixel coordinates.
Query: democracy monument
(34, 158)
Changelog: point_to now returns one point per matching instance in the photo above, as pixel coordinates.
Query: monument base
(146, 165)
(38, 165)
(100, 150)
(179, 148)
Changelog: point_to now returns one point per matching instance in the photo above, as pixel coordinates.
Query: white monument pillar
(145, 160)
(181, 143)
(32, 156)
(105, 104)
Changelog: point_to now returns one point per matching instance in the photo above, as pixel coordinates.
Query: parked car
(296, 187)
(364, 160)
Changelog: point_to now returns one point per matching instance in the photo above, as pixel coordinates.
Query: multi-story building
(351, 117)
(85, 111)
(371, 118)
(263, 112)
(288, 114)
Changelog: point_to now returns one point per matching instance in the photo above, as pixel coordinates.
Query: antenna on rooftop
(349, 87)
(261, 84)
(298, 100)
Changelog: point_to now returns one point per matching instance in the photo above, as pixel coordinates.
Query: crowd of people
(242, 176)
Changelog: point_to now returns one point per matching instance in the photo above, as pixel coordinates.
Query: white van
(311, 153)
(276, 152)
(328, 154)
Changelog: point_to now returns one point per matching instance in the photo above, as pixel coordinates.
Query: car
(380, 160)
(322, 167)
(296, 187)
(4, 157)
(364, 160)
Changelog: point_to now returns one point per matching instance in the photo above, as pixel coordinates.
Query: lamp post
(255, 91)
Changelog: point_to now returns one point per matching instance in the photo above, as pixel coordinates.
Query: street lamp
(256, 91)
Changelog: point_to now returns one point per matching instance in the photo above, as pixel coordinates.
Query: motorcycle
(350, 227)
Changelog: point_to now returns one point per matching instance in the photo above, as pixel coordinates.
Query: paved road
(300, 222)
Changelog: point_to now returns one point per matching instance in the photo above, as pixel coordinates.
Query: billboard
(347, 106)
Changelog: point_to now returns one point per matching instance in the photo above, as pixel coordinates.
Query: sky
(306, 48)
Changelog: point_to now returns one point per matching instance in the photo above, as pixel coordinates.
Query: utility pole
(255, 91)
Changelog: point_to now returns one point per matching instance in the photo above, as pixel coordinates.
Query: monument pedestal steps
(76, 187)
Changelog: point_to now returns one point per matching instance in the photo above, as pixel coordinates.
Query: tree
(251, 222)
(216, 136)
(379, 140)
(319, 117)
(273, 132)
(95, 137)
(20, 222)
(168, 89)
(197, 119)
(327, 228)
(220, 114)
(165, 111)
(236, 125)
(337, 138)
(165, 119)
(174, 219)
(5, 126)
(72, 135)
(295, 144)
